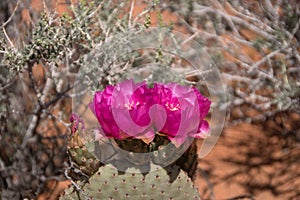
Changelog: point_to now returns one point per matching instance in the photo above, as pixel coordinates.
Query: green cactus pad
(85, 161)
(163, 183)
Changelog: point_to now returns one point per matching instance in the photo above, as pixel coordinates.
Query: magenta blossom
(122, 111)
(185, 108)
(133, 110)
(76, 121)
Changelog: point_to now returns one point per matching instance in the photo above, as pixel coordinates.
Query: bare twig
(7, 37)
(11, 16)
(140, 15)
(130, 13)
(264, 59)
(77, 187)
(8, 84)
(29, 133)
(96, 10)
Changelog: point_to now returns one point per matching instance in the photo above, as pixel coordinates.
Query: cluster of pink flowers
(134, 110)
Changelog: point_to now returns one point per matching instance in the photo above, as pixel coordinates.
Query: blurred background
(254, 44)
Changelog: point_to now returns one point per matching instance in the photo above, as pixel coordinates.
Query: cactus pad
(163, 183)
(81, 158)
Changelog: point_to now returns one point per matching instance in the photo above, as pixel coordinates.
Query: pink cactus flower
(185, 108)
(122, 111)
(133, 110)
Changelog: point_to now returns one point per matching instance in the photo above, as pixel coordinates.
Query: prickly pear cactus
(137, 171)
(81, 158)
(160, 183)
(163, 150)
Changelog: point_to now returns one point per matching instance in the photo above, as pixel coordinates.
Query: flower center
(132, 105)
(172, 106)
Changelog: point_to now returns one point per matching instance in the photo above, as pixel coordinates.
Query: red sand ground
(255, 160)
